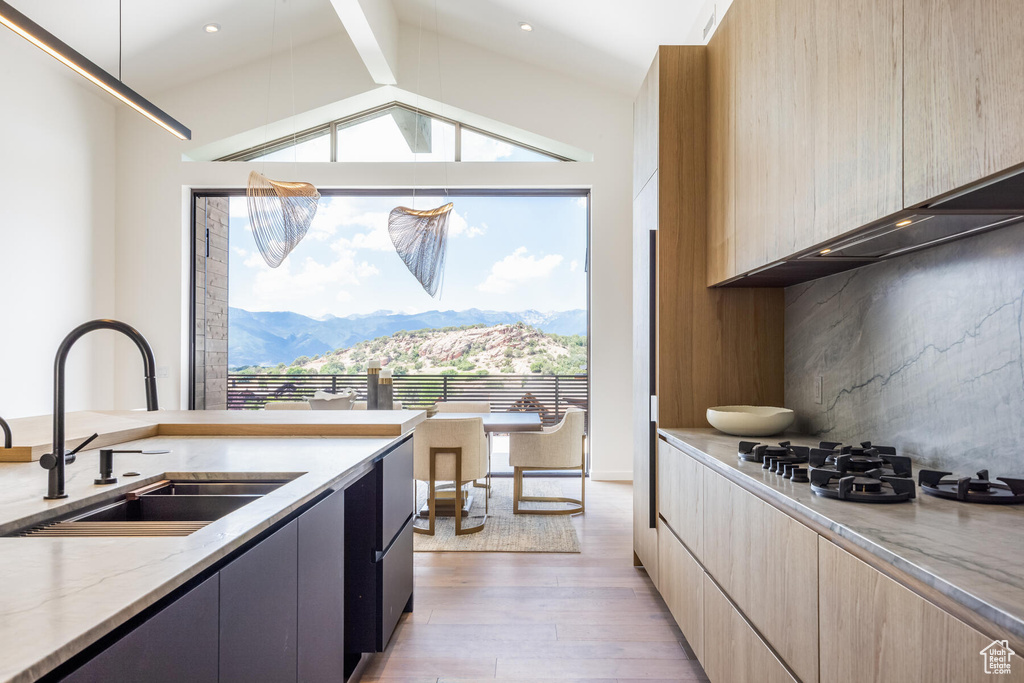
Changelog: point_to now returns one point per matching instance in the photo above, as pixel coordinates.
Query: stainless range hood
(994, 204)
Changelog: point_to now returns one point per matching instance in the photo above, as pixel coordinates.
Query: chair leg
(431, 499)
(517, 489)
(577, 505)
(459, 529)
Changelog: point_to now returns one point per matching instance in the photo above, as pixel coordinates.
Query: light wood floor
(541, 617)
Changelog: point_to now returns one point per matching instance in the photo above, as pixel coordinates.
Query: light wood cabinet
(722, 63)
(682, 588)
(963, 93)
(733, 652)
(699, 347)
(645, 130)
(805, 126)
(909, 640)
(645, 534)
(767, 562)
(680, 495)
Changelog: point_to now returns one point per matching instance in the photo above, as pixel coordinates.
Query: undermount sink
(164, 508)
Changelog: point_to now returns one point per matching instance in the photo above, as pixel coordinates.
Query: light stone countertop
(59, 595)
(971, 553)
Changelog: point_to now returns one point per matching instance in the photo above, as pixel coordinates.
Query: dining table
(499, 423)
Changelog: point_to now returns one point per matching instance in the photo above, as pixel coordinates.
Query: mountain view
(493, 341)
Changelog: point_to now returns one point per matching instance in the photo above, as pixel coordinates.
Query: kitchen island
(59, 596)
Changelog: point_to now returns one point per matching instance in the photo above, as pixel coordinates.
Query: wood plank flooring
(534, 617)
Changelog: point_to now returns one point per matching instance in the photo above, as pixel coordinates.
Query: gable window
(393, 133)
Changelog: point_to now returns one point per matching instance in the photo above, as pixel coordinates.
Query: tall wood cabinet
(693, 347)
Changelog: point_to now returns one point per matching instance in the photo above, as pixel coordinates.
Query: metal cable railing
(548, 395)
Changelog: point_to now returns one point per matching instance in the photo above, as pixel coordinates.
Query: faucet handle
(70, 456)
(49, 461)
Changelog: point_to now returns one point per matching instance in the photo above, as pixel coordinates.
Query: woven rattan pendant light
(280, 212)
(421, 237)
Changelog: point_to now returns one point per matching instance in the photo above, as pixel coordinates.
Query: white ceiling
(164, 41)
(605, 41)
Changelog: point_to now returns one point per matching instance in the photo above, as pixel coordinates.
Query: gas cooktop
(972, 490)
(862, 458)
(864, 487)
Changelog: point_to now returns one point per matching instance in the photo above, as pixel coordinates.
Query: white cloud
(366, 269)
(573, 266)
(458, 225)
(238, 208)
(292, 282)
(482, 148)
(517, 268)
(254, 260)
(240, 252)
(581, 202)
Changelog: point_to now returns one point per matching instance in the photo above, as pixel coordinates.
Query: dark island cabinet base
(259, 612)
(322, 592)
(178, 643)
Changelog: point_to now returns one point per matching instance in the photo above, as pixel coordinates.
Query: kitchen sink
(164, 508)
(215, 488)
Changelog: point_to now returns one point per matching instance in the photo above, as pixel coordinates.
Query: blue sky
(504, 253)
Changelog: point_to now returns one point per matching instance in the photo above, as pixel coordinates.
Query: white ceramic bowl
(750, 420)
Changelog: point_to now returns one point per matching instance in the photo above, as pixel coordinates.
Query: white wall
(57, 154)
(152, 222)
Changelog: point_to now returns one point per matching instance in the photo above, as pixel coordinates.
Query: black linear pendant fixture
(65, 54)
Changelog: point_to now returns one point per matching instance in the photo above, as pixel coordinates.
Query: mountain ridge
(271, 337)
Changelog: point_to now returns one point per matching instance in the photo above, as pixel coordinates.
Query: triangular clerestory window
(393, 133)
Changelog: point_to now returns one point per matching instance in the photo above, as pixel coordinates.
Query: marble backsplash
(924, 352)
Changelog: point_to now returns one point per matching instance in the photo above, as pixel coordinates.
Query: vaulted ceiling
(610, 42)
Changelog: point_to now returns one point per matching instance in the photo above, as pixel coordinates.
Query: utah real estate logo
(997, 657)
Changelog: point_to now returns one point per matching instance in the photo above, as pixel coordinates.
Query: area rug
(504, 531)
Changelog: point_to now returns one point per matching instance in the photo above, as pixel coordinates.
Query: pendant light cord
(440, 95)
(270, 83)
(120, 38)
(291, 69)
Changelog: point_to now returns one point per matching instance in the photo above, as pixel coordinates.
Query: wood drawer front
(768, 564)
(682, 588)
(680, 492)
(733, 653)
(912, 640)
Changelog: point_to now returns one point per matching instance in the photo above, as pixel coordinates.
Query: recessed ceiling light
(212, 28)
(825, 251)
(526, 27)
(904, 223)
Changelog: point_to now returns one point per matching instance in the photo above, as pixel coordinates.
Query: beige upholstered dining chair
(287, 405)
(450, 451)
(562, 447)
(361, 405)
(470, 407)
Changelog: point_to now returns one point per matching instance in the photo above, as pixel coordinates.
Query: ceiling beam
(373, 27)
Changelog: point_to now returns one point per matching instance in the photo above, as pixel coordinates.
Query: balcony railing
(548, 395)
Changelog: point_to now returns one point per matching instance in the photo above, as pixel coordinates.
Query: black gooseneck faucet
(52, 462)
(8, 437)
